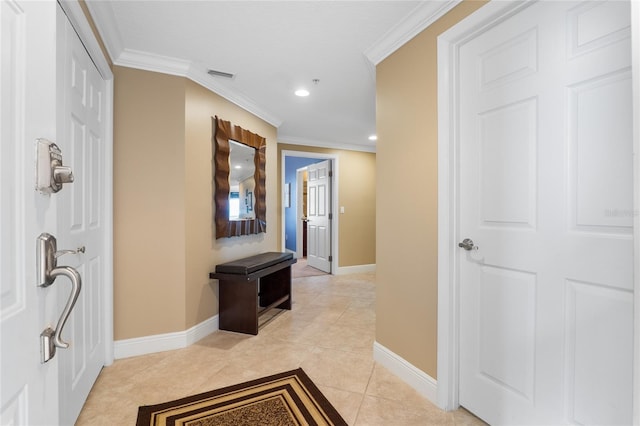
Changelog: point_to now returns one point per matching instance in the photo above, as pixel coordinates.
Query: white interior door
(545, 175)
(82, 127)
(319, 215)
(28, 392)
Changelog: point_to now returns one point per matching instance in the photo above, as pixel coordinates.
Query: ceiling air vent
(220, 74)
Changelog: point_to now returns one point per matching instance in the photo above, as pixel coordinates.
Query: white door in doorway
(34, 36)
(29, 392)
(81, 215)
(546, 292)
(319, 216)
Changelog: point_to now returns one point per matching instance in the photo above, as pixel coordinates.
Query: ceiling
(273, 48)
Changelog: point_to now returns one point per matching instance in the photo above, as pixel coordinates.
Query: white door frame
(334, 200)
(635, 70)
(81, 25)
(448, 192)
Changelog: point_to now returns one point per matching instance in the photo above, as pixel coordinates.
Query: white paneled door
(81, 214)
(546, 289)
(319, 215)
(49, 88)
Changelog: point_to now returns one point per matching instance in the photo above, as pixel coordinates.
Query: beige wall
(149, 215)
(164, 245)
(407, 228)
(357, 193)
(203, 251)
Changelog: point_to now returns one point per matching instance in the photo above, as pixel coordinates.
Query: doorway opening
(302, 180)
(294, 209)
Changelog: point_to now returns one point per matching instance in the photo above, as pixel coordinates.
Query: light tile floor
(329, 333)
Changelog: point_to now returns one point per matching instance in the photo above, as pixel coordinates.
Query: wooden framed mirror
(255, 221)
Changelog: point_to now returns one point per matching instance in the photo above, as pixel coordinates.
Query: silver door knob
(468, 245)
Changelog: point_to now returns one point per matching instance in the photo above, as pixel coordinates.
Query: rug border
(145, 411)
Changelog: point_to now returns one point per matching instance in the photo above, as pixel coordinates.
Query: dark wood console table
(251, 286)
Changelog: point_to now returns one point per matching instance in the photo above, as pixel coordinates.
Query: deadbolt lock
(50, 173)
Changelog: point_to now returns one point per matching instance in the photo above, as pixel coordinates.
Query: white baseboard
(164, 342)
(357, 269)
(424, 384)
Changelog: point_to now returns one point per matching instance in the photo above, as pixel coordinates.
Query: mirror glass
(241, 181)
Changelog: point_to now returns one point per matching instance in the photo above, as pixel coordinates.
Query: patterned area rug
(288, 398)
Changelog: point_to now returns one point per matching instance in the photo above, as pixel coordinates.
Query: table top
(252, 264)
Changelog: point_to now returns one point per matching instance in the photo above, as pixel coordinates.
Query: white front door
(546, 180)
(49, 89)
(29, 389)
(81, 215)
(319, 216)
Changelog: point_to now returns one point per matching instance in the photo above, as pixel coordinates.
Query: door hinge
(330, 216)
(330, 258)
(330, 173)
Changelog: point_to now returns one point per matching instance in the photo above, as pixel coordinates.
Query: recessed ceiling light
(373, 138)
(302, 92)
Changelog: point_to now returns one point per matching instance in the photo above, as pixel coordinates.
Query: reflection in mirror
(241, 181)
(250, 217)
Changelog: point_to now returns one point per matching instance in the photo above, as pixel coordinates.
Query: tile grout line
(364, 395)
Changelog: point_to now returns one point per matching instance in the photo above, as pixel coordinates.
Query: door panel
(599, 333)
(546, 184)
(508, 165)
(80, 216)
(507, 328)
(600, 131)
(319, 209)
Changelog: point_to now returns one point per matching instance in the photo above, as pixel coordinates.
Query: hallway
(329, 333)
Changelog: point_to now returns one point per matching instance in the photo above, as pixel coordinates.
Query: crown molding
(292, 140)
(151, 62)
(198, 74)
(420, 18)
(167, 65)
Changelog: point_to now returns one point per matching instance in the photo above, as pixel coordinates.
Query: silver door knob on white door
(468, 245)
